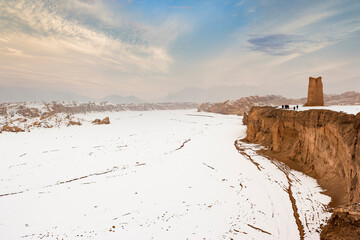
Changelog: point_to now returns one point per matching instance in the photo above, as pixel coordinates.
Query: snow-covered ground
(151, 175)
(350, 109)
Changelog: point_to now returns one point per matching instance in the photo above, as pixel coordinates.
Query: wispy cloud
(84, 35)
(240, 3)
(278, 44)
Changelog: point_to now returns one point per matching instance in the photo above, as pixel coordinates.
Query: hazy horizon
(150, 49)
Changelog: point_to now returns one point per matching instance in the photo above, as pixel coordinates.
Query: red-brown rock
(7, 128)
(344, 224)
(78, 123)
(315, 92)
(321, 143)
(99, 122)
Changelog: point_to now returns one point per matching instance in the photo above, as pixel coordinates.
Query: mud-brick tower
(315, 92)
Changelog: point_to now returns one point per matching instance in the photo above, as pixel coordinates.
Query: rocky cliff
(321, 143)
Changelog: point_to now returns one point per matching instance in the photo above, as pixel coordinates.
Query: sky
(151, 48)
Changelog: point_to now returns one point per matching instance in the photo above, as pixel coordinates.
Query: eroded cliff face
(321, 143)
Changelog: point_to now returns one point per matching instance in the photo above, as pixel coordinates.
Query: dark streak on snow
(208, 166)
(288, 190)
(242, 151)
(182, 145)
(63, 182)
(13, 193)
(259, 229)
(292, 200)
(199, 115)
(86, 176)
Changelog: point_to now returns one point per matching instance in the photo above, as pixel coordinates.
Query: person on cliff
(297, 107)
(282, 106)
(294, 108)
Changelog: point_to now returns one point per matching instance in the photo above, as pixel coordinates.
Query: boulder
(78, 123)
(99, 122)
(7, 128)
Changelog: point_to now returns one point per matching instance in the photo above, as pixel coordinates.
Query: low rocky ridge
(322, 144)
(23, 116)
(238, 107)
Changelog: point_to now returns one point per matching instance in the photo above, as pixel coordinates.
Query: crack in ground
(182, 145)
(83, 177)
(259, 229)
(63, 182)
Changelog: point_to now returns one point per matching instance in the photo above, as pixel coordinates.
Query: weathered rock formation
(315, 92)
(238, 107)
(100, 122)
(344, 224)
(7, 128)
(72, 123)
(321, 143)
(26, 116)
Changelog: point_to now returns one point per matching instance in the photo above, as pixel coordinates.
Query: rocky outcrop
(72, 123)
(315, 92)
(321, 143)
(7, 128)
(344, 224)
(25, 116)
(238, 107)
(100, 122)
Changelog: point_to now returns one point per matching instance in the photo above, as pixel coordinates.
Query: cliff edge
(320, 143)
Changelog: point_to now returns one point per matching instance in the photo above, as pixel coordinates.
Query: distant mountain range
(18, 94)
(188, 94)
(117, 99)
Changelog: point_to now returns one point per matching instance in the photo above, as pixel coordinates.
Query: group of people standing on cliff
(288, 107)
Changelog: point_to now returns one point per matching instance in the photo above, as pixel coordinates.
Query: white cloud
(67, 34)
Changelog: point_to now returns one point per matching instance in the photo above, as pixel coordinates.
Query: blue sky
(150, 48)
